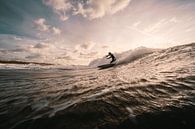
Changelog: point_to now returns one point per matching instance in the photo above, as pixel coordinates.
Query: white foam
(124, 57)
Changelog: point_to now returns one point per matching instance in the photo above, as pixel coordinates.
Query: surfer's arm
(107, 56)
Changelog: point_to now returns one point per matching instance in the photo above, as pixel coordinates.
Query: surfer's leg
(112, 60)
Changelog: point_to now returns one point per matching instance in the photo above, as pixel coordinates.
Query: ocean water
(155, 91)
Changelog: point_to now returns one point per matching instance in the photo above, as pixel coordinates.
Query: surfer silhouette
(110, 55)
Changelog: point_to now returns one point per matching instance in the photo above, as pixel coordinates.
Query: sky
(78, 31)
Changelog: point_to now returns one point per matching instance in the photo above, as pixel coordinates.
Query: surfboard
(105, 66)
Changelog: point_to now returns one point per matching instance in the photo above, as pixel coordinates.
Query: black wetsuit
(110, 55)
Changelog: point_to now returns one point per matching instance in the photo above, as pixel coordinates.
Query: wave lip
(124, 57)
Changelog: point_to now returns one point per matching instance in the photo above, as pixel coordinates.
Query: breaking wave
(124, 57)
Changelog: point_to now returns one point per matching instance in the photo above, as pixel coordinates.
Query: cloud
(17, 38)
(163, 23)
(56, 31)
(119, 5)
(55, 53)
(88, 55)
(66, 57)
(61, 7)
(12, 50)
(188, 30)
(156, 26)
(48, 51)
(41, 45)
(105, 46)
(136, 24)
(58, 4)
(11, 42)
(19, 50)
(99, 8)
(90, 9)
(174, 20)
(85, 46)
(34, 56)
(42, 26)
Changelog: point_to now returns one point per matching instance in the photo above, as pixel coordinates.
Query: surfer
(110, 55)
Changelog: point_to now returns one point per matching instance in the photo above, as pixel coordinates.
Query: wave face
(156, 91)
(124, 57)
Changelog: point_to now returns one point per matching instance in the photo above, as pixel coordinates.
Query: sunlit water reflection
(160, 86)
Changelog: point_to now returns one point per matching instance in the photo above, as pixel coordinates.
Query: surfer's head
(109, 53)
